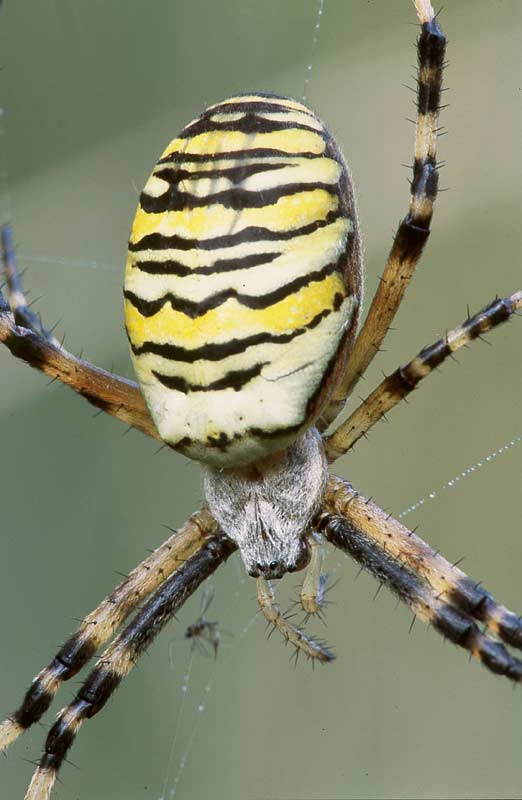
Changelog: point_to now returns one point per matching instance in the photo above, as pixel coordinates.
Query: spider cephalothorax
(266, 508)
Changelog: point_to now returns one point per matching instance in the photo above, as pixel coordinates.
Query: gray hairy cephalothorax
(266, 509)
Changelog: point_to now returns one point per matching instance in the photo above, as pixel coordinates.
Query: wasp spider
(242, 302)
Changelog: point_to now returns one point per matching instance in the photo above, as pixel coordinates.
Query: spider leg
(438, 592)
(404, 380)
(414, 229)
(291, 633)
(121, 656)
(32, 343)
(22, 312)
(312, 590)
(101, 623)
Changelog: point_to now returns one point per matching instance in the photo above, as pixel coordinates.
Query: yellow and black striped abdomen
(243, 279)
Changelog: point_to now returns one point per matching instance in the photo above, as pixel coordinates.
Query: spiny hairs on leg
(404, 380)
(119, 659)
(438, 592)
(28, 340)
(414, 229)
(101, 623)
(314, 650)
(22, 312)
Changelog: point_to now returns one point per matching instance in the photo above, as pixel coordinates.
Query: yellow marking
(312, 250)
(207, 222)
(233, 319)
(323, 170)
(305, 255)
(227, 163)
(212, 142)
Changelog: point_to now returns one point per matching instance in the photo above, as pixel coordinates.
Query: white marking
(298, 117)
(262, 403)
(155, 186)
(228, 117)
(301, 256)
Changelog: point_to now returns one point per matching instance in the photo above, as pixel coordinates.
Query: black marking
(410, 376)
(431, 49)
(260, 106)
(97, 689)
(69, 660)
(462, 631)
(156, 241)
(58, 742)
(474, 599)
(76, 652)
(236, 198)
(195, 309)
(425, 180)
(250, 124)
(218, 351)
(409, 241)
(35, 703)
(235, 379)
(235, 155)
(235, 174)
(171, 267)
(222, 442)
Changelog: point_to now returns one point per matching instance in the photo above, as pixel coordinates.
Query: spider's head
(270, 554)
(266, 509)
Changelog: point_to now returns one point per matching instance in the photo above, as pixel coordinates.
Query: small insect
(203, 630)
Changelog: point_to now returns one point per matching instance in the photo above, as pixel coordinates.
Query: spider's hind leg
(122, 655)
(101, 624)
(436, 591)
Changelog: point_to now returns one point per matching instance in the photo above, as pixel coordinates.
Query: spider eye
(273, 564)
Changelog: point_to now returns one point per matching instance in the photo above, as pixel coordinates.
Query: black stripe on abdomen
(237, 199)
(258, 106)
(157, 241)
(249, 124)
(235, 155)
(216, 351)
(235, 379)
(197, 308)
(236, 174)
(171, 267)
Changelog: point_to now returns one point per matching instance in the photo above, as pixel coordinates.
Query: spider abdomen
(243, 279)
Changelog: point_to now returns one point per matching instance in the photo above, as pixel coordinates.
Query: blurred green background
(92, 92)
